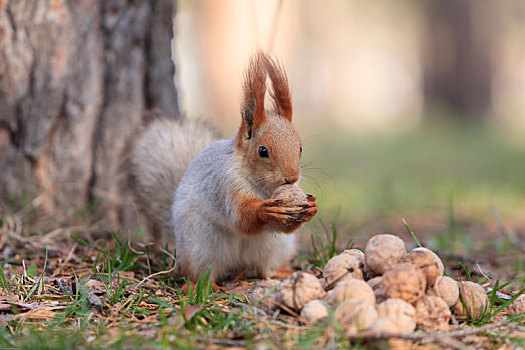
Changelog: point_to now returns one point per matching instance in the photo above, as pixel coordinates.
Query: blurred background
(407, 109)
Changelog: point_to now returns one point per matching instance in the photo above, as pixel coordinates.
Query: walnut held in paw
(290, 196)
(289, 208)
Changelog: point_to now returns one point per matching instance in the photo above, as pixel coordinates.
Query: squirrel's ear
(280, 93)
(248, 119)
(254, 90)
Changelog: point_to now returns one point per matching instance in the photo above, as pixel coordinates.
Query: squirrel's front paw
(284, 218)
(310, 208)
(288, 219)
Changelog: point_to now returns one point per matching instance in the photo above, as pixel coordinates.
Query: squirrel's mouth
(290, 180)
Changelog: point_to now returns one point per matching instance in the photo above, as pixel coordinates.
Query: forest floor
(60, 291)
(80, 286)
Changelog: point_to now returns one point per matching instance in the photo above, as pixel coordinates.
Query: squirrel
(215, 195)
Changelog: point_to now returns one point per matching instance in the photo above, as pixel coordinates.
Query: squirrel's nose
(289, 180)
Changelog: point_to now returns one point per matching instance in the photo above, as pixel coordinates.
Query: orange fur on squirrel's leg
(249, 221)
(185, 287)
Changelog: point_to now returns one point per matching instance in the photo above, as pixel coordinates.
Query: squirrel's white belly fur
(204, 239)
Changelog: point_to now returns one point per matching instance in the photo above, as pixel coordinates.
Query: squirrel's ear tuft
(280, 91)
(254, 90)
(247, 117)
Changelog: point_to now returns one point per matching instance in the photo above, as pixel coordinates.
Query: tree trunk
(75, 80)
(457, 59)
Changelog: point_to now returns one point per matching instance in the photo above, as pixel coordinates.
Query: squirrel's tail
(154, 161)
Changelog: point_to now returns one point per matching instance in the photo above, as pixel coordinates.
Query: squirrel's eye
(263, 152)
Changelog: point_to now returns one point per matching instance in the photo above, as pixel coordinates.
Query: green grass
(192, 318)
(439, 167)
(495, 304)
(411, 233)
(326, 243)
(3, 282)
(122, 258)
(189, 320)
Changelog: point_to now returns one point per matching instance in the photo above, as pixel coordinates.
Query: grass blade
(411, 233)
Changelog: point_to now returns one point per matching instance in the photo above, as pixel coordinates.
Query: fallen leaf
(190, 311)
(180, 318)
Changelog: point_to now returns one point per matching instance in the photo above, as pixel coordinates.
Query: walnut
(267, 304)
(517, 306)
(432, 313)
(351, 289)
(298, 289)
(427, 261)
(291, 195)
(340, 268)
(473, 301)
(355, 315)
(375, 282)
(399, 310)
(355, 252)
(329, 297)
(393, 325)
(323, 282)
(314, 311)
(445, 288)
(377, 287)
(404, 281)
(383, 252)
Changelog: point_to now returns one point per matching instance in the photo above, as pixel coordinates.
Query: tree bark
(75, 80)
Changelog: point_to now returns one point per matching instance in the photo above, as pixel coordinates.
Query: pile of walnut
(383, 289)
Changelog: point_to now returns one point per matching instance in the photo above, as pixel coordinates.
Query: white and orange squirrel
(215, 196)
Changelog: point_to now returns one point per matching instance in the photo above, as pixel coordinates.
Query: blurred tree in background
(457, 69)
